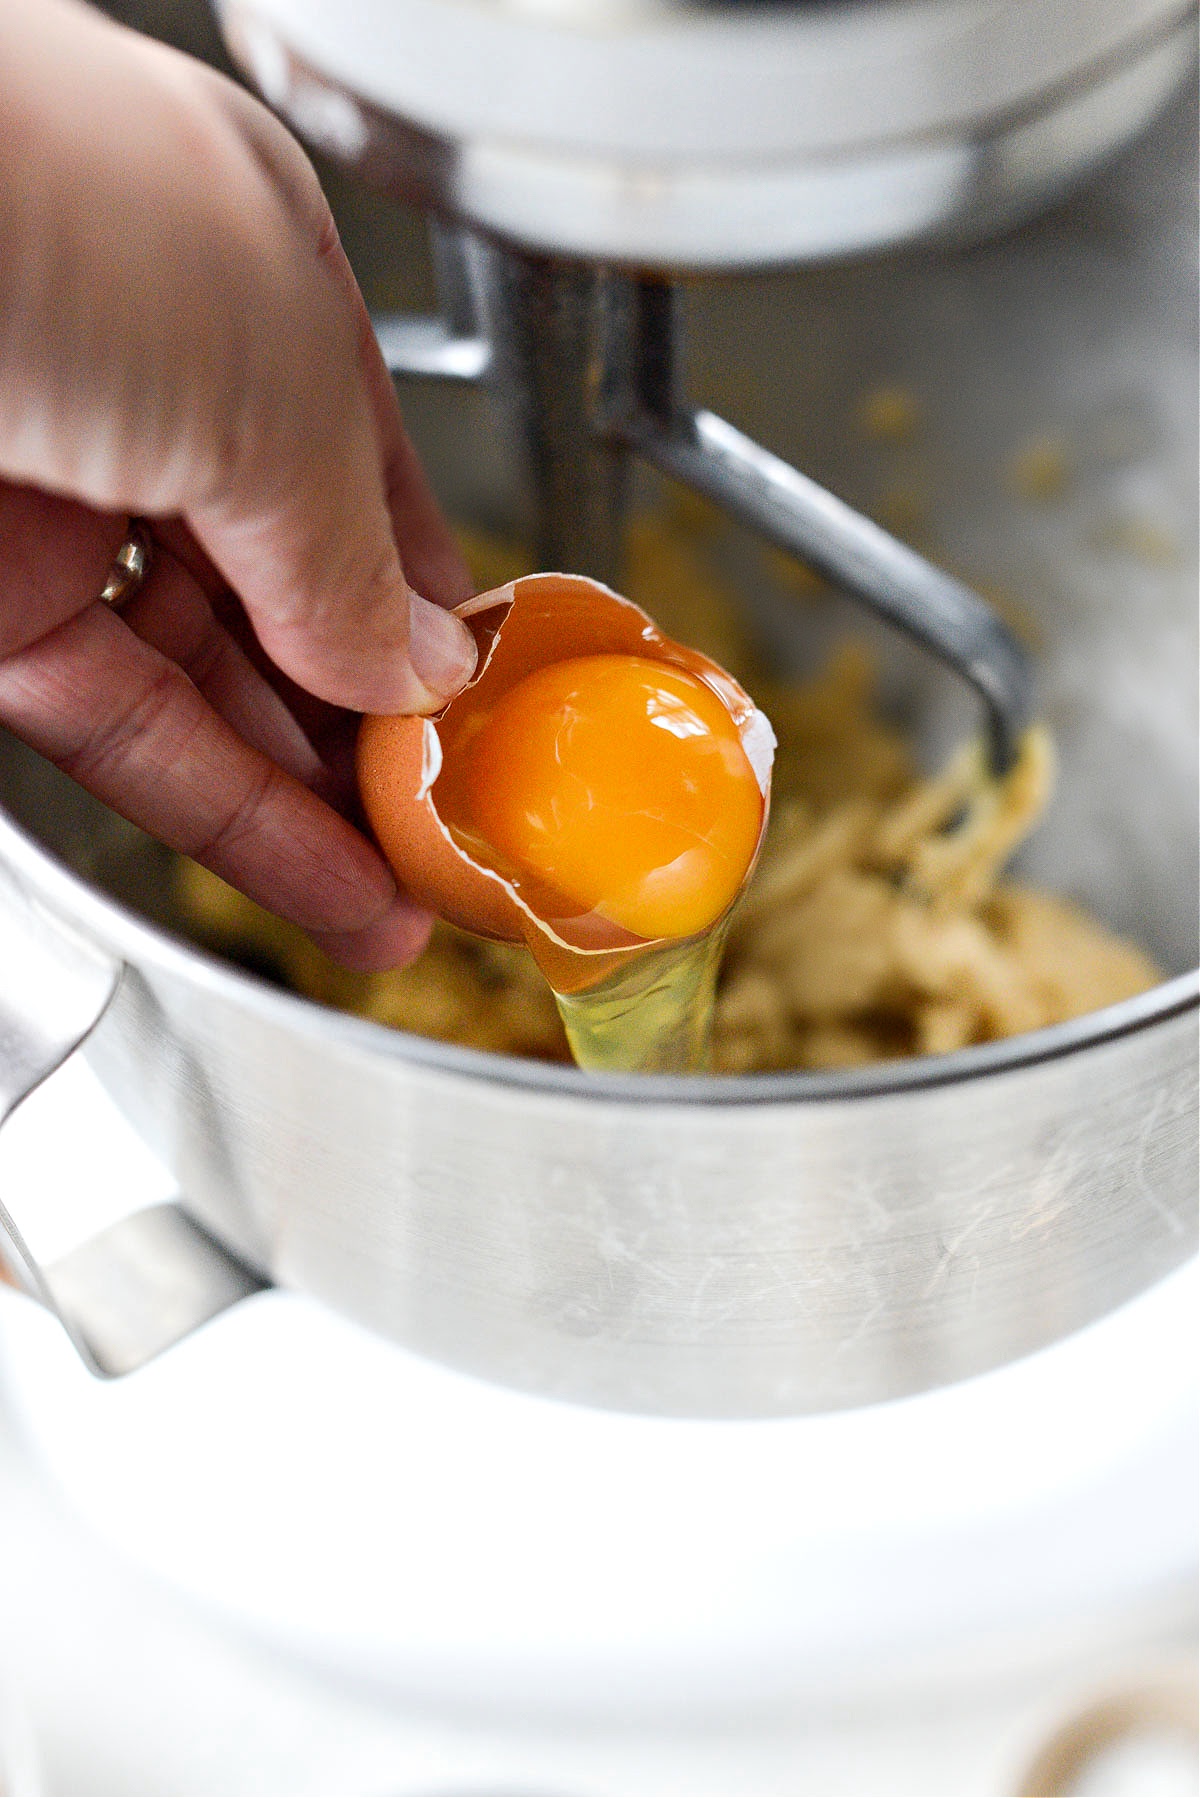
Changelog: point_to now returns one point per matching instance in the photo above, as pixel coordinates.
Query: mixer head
(712, 134)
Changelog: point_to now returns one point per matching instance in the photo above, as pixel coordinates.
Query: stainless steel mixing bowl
(736, 1247)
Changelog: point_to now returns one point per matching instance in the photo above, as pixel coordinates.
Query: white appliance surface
(288, 1558)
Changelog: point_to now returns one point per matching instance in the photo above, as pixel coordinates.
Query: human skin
(182, 340)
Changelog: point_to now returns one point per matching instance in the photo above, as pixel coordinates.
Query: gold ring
(129, 569)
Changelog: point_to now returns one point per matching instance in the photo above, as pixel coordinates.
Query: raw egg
(594, 790)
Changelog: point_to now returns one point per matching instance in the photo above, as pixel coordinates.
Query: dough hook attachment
(584, 361)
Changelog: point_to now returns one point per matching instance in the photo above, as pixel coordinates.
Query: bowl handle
(131, 1290)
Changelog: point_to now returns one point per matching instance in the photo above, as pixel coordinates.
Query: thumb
(303, 515)
(305, 524)
(315, 563)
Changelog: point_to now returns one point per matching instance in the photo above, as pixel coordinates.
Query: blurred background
(288, 1558)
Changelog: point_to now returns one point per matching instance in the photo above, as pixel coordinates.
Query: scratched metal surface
(692, 1259)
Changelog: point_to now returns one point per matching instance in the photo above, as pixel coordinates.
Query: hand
(181, 338)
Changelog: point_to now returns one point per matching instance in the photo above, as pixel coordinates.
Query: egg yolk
(620, 785)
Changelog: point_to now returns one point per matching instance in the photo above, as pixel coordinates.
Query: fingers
(174, 617)
(54, 558)
(345, 628)
(161, 714)
(214, 369)
(219, 369)
(129, 725)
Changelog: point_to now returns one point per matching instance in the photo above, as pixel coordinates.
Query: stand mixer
(760, 1249)
(906, 1225)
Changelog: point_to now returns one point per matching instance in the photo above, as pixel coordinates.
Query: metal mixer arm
(710, 455)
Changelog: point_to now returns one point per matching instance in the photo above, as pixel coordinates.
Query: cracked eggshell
(528, 624)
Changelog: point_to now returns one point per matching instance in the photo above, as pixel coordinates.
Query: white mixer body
(678, 136)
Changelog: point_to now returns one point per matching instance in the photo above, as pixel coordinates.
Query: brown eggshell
(393, 759)
(528, 624)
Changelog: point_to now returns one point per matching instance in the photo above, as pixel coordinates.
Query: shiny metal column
(548, 324)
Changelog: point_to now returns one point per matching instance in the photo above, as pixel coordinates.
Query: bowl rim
(136, 942)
